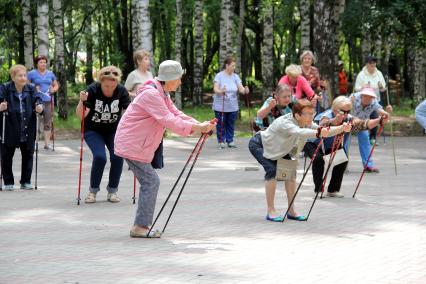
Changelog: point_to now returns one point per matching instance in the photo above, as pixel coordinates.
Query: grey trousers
(149, 185)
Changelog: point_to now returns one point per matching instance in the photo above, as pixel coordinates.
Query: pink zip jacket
(142, 126)
(301, 85)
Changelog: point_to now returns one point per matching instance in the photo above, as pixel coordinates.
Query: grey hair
(308, 52)
(340, 101)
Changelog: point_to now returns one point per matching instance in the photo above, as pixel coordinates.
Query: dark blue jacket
(16, 125)
(328, 142)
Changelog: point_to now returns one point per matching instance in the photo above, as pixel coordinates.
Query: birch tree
(305, 24)
(419, 73)
(178, 47)
(58, 20)
(136, 38)
(28, 35)
(268, 49)
(239, 39)
(199, 51)
(43, 27)
(226, 24)
(145, 27)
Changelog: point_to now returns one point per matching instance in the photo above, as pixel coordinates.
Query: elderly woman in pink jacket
(139, 138)
(298, 84)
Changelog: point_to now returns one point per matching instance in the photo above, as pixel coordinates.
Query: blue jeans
(97, 142)
(364, 147)
(227, 133)
(256, 149)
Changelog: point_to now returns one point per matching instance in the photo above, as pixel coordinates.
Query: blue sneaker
(27, 186)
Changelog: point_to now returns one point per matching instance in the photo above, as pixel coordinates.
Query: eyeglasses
(106, 73)
(342, 111)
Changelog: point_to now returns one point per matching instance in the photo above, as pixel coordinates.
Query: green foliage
(4, 74)
(71, 123)
(254, 84)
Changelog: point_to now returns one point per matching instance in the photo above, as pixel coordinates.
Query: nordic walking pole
(81, 154)
(52, 110)
(249, 111)
(391, 127)
(175, 184)
(369, 157)
(221, 120)
(134, 189)
(323, 183)
(334, 148)
(214, 120)
(36, 149)
(206, 135)
(303, 178)
(2, 148)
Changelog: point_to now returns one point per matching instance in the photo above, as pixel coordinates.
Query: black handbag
(158, 161)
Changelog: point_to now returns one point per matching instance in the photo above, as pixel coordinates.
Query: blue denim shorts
(256, 149)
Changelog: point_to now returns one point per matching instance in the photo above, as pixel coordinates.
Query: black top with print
(105, 112)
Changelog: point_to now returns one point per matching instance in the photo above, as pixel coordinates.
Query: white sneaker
(113, 198)
(8, 187)
(335, 194)
(90, 198)
(221, 145)
(232, 145)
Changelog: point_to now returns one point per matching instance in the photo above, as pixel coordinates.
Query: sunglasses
(342, 111)
(115, 73)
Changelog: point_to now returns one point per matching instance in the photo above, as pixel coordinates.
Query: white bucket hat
(169, 70)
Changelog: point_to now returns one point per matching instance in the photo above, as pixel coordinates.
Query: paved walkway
(218, 233)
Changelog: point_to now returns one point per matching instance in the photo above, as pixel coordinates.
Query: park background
(80, 37)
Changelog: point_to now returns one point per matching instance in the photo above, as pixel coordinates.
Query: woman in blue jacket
(20, 101)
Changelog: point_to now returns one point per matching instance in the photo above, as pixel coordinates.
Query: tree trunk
(365, 45)
(229, 29)
(305, 24)
(268, 51)
(327, 19)
(43, 27)
(239, 40)
(70, 60)
(59, 60)
(136, 23)
(419, 74)
(199, 51)
(409, 65)
(28, 34)
(89, 50)
(145, 31)
(128, 67)
(226, 18)
(387, 48)
(178, 47)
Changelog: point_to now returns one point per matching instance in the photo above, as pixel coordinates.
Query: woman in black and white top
(104, 102)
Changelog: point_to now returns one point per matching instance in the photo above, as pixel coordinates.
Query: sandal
(152, 234)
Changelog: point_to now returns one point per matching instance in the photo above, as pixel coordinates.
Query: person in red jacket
(343, 80)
